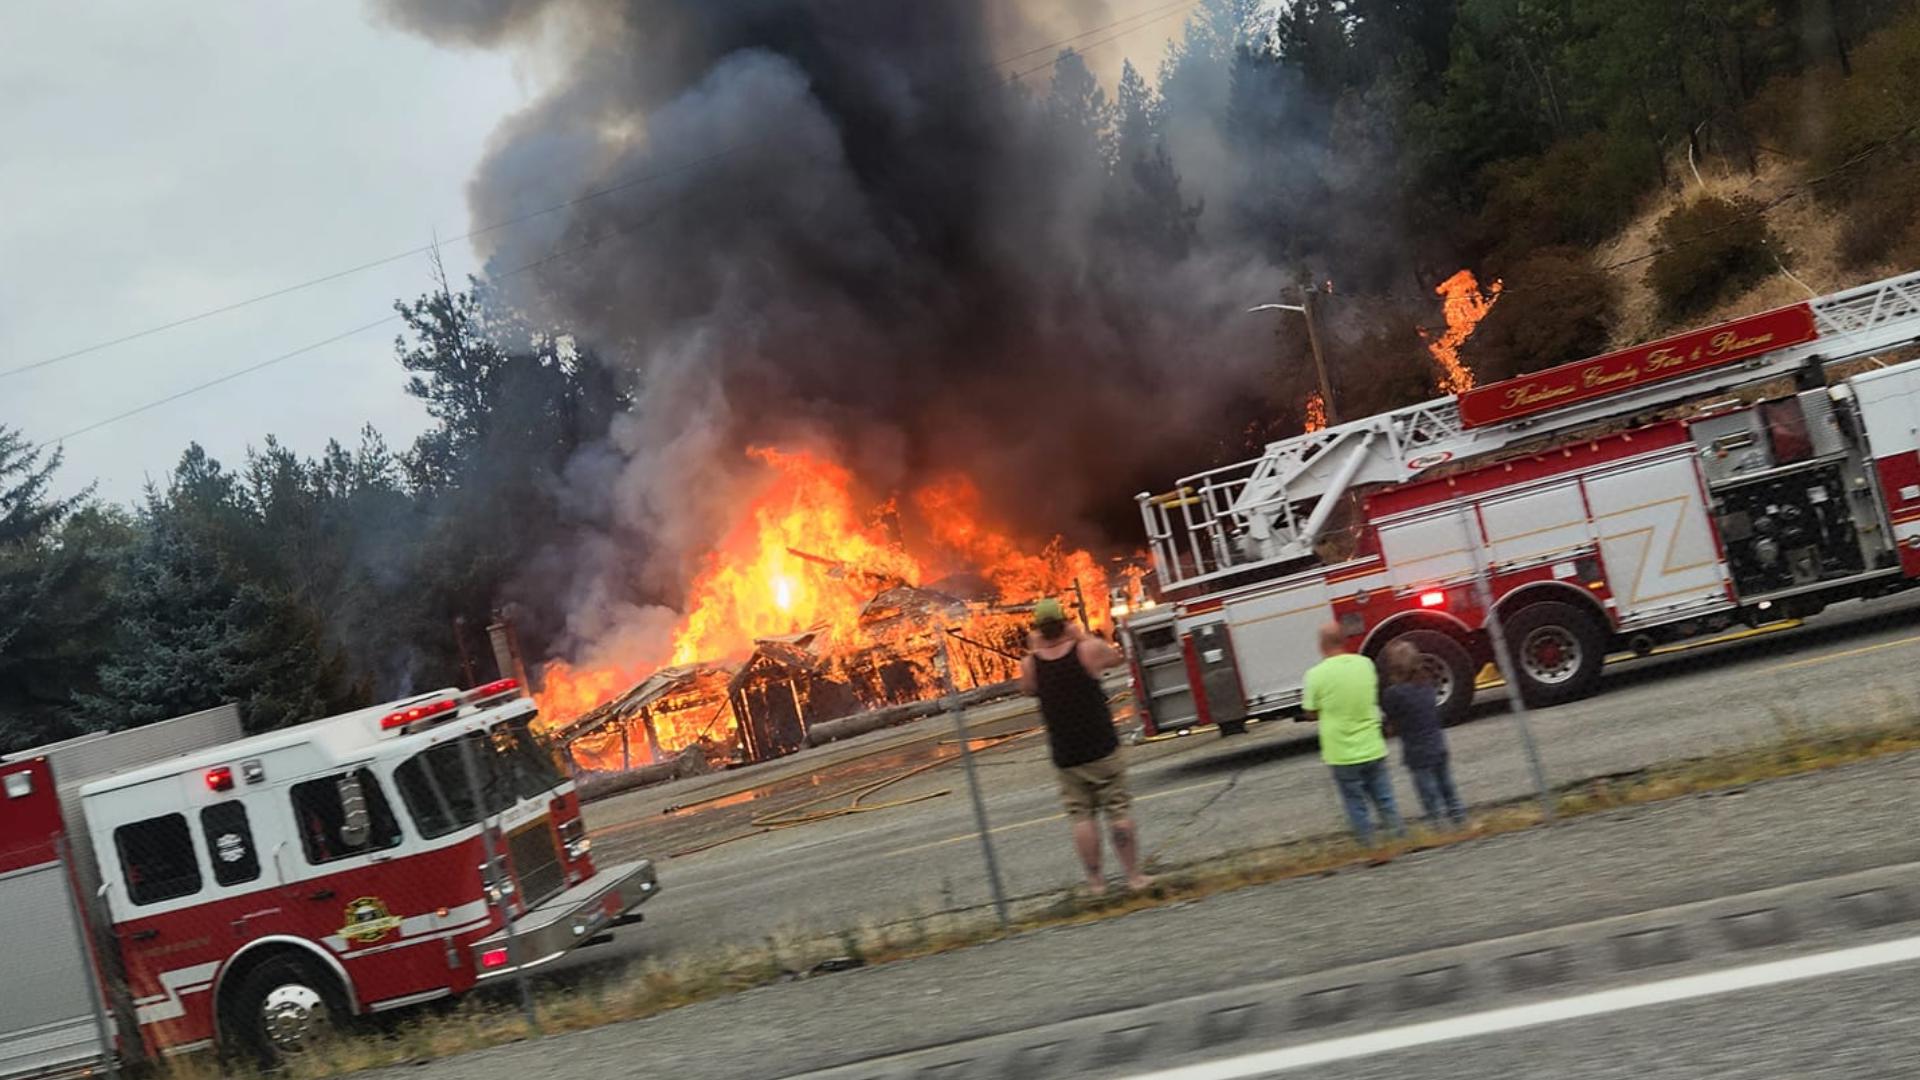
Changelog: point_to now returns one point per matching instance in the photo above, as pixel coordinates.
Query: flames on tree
(1464, 303)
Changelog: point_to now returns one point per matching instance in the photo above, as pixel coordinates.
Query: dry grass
(654, 987)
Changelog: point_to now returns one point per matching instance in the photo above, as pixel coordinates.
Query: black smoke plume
(842, 223)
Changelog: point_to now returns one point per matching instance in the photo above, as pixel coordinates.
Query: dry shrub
(1709, 248)
(1557, 307)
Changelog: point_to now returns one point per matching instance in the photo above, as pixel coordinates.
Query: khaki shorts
(1096, 787)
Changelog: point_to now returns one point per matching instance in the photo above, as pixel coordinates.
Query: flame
(1464, 304)
(802, 557)
(1316, 412)
(951, 507)
(808, 553)
(567, 692)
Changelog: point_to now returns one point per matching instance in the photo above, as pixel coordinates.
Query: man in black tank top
(1063, 671)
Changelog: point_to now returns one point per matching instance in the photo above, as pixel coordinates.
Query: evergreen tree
(57, 591)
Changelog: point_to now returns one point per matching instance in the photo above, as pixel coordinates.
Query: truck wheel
(282, 1009)
(1557, 652)
(1448, 668)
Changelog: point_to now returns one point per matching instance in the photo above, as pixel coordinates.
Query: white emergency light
(19, 785)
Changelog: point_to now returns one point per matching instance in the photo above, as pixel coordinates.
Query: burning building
(810, 609)
(669, 711)
(783, 689)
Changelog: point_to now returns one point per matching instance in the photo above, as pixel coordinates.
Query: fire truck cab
(251, 891)
(1658, 493)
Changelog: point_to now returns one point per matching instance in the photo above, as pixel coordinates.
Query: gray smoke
(855, 236)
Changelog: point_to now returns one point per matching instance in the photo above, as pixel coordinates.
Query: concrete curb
(1807, 916)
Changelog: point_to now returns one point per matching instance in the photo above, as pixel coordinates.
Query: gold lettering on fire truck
(1684, 354)
(368, 921)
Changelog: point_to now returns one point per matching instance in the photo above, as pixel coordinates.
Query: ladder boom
(1272, 509)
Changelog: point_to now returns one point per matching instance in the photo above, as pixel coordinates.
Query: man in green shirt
(1342, 692)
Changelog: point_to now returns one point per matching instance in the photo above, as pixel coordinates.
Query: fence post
(948, 704)
(96, 993)
(1504, 662)
(498, 897)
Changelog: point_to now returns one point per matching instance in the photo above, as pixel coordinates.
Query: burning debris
(672, 710)
(783, 689)
(810, 611)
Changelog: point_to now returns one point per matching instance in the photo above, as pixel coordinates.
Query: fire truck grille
(536, 862)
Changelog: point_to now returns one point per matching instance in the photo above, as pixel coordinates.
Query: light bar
(418, 712)
(492, 689)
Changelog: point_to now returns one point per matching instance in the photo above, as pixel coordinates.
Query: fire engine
(1662, 492)
(176, 886)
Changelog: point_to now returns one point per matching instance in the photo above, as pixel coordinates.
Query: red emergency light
(1433, 599)
(220, 778)
(493, 958)
(418, 712)
(492, 689)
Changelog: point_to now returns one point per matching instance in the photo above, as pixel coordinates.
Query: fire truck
(177, 886)
(1730, 475)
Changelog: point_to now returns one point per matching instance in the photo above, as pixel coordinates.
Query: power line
(658, 214)
(1150, 16)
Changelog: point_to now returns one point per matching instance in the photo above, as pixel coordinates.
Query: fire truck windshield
(509, 766)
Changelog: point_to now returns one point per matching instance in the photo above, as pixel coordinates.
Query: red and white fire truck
(179, 885)
(1647, 495)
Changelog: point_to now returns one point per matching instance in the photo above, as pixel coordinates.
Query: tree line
(1381, 143)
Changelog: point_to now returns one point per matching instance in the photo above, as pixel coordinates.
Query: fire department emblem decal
(368, 921)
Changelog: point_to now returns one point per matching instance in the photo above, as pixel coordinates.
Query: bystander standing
(1342, 692)
(1413, 714)
(1063, 671)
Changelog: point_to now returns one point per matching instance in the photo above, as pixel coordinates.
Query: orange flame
(951, 507)
(1316, 412)
(803, 556)
(1464, 304)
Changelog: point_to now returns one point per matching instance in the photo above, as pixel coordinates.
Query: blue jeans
(1437, 795)
(1368, 783)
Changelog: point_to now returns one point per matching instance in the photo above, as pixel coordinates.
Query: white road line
(1577, 1007)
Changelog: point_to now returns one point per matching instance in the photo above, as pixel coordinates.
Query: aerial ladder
(1263, 517)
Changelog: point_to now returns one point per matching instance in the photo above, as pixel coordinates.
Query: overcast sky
(157, 160)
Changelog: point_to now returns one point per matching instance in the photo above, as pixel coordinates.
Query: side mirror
(355, 823)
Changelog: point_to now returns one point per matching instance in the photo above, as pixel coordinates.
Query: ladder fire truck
(1626, 500)
(175, 886)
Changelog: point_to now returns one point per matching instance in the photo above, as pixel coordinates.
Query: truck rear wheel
(1448, 668)
(1557, 652)
(282, 1009)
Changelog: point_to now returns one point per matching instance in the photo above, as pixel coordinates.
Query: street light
(1305, 308)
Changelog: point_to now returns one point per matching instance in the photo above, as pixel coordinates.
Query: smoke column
(857, 236)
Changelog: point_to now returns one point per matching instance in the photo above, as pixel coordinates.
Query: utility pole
(1305, 308)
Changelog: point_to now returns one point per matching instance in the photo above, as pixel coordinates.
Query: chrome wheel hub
(293, 1015)
(1550, 654)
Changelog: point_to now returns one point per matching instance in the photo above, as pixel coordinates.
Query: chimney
(506, 649)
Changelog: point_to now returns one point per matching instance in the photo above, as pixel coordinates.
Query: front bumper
(551, 930)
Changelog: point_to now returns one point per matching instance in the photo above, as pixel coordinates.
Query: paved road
(1858, 1024)
(1696, 887)
(1204, 795)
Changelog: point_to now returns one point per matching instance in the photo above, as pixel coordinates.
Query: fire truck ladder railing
(1269, 511)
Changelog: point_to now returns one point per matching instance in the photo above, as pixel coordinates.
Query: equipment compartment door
(47, 1021)
(1276, 639)
(1656, 541)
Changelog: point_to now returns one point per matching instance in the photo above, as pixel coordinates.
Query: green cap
(1049, 610)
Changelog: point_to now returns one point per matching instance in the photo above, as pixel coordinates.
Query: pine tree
(57, 564)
